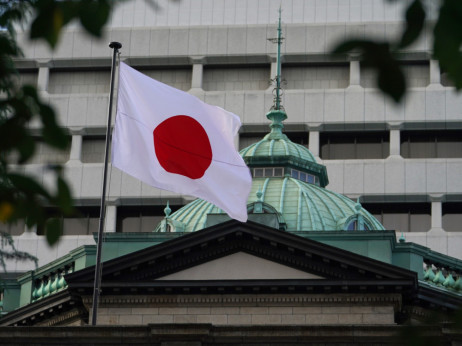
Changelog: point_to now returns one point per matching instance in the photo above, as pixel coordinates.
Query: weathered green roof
(277, 145)
(277, 150)
(304, 207)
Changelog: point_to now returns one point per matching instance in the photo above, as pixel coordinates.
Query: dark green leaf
(26, 148)
(27, 184)
(448, 40)
(48, 22)
(377, 55)
(35, 214)
(51, 16)
(415, 20)
(7, 45)
(391, 80)
(30, 91)
(53, 230)
(64, 197)
(52, 134)
(12, 133)
(94, 14)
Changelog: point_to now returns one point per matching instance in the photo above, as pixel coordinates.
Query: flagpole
(97, 282)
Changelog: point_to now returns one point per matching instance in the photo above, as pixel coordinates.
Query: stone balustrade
(439, 275)
(51, 282)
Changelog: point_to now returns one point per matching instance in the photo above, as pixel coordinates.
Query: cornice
(250, 299)
(42, 309)
(230, 237)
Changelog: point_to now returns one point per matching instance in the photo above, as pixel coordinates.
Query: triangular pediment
(240, 266)
(249, 257)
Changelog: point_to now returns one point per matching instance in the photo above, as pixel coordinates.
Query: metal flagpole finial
(115, 45)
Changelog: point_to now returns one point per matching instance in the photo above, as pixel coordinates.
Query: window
(354, 145)
(403, 217)
(279, 172)
(140, 218)
(353, 226)
(16, 228)
(431, 144)
(452, 216)
(315, 76)
(307, 178)
(84, 222)
(79, 81)
(93, 148)
(445, 81)
(45, 154)
(27, 77)
(268, 172)
(178, 77)
(417, 74)
(236, 78)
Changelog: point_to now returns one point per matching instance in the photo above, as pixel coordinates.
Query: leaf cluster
(381, 56)
(52, 16)
(22, 196)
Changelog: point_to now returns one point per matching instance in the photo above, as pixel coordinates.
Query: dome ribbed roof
(281, 145)
(304, 206)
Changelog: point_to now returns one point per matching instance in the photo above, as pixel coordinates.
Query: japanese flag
(171, 140)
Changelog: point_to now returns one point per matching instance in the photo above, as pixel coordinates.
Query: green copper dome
(300, 206)
(288, 192)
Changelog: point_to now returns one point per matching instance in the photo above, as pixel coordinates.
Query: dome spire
(277, 99)
(277, 113)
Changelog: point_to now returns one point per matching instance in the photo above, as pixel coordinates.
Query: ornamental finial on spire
(277, 80)
(277, 114)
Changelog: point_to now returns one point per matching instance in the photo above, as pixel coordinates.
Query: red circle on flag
(182, 146)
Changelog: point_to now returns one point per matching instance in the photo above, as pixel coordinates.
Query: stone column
(273, 74)
(437, 212)
(43, 78)
(76, 148)
(197, 73)
(110, 221)
(274, 69)
(435, 73)
(395, 140)
(437, 239)
(395, 143)
(355, 72)
(314, 143)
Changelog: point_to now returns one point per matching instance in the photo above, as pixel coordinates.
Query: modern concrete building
(338, 177)
(403, 162)
(309, 266)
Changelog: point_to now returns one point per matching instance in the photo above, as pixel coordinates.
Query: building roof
(276, 262)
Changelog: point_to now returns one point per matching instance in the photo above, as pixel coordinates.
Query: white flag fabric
(171, 140)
